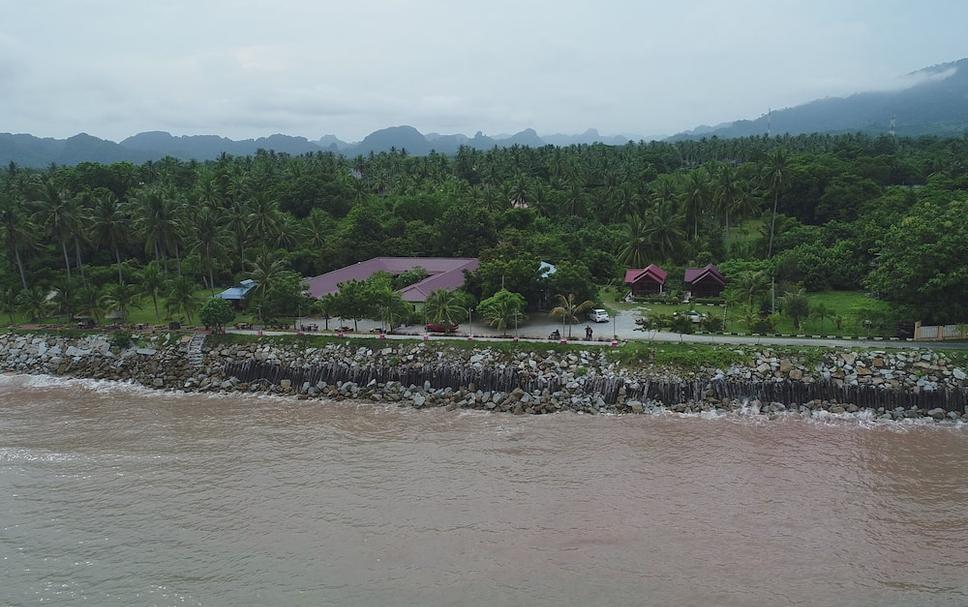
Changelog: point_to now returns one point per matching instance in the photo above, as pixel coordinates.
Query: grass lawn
(852, 306)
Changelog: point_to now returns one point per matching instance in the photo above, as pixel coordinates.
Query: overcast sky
(245, 68)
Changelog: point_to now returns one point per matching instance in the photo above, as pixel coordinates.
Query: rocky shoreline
(889, 385)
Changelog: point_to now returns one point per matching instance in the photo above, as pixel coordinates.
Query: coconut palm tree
(696, 198)
(120, 298)
(444, 306)
(65, 299)
(635, 242)
(569, 311)
(152, 285)
(32, 303)
(208, 240)
(57, 212)
(663, 231)
(265, 272)
(18, 232)
(796, 306)
(749, 285)
(109, 225)
(156, 218)
(181, 298)
(776, 174)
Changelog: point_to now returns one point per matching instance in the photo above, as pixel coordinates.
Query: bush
(441, 327)
(682, 324)
(708, 300)
(120, 340)
(216, 313)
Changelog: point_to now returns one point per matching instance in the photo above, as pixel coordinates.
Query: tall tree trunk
(77, 256)
(177, 260)
(154, 300)
(211, 279)
(117, 258)
(67, 259)
(20, 267)
(776, 200)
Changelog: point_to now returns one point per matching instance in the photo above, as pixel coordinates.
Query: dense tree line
(843, 212)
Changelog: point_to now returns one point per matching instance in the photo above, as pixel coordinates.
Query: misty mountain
(206, 147)
(28, 150)
(931, 101)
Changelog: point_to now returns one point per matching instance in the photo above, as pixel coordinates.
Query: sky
(250, 68)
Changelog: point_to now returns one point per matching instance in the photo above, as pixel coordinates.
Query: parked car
(441, 327)
(692, 315)
(598, 315)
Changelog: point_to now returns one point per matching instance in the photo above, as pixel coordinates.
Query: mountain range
(31, 151)
(930, 101)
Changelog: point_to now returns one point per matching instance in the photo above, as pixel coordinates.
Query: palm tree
(181, 298)
(89, 302)
(749, 285)
(66, 299)
(120, 298)
(109, 225)
(32, 302)
(237, 221)
(18, 232)
(208, 240)
(776, 172)
(155, 217)
(726, 191)
(57, 211)
(8, 302)
(821, 312)
(265, 219)
(796, 306)
(696, 197)
(568, 311)
(152, 284)
(635, 242)
(662, 229)
(444, 306)
(265, 272)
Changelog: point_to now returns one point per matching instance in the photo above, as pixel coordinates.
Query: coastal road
(539, 327)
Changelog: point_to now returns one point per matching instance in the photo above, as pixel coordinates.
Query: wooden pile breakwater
(609, 389)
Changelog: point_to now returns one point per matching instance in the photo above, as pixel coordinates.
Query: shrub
(682, 324)
(216, 313)
(120, 340)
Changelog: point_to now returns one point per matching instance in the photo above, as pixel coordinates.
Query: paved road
(539, 327)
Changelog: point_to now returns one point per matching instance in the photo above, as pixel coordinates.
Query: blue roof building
(239, 292)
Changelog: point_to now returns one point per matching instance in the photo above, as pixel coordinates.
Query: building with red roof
(646, 281)
(707, 281)
(442, 273)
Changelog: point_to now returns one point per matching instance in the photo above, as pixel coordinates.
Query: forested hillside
(852, 213)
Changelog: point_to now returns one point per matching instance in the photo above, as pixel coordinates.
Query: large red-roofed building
(443, 273)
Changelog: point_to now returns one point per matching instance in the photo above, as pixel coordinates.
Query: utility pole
(769, 122)
(893, 126)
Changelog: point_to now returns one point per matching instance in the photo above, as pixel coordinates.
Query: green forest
(876, 215)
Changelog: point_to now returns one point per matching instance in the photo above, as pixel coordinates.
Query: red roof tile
(652, 271)
(444, 273)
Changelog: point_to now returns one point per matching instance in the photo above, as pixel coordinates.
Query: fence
(939, 332)
(668, 393)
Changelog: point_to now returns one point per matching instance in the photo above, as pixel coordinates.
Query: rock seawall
(890, 384)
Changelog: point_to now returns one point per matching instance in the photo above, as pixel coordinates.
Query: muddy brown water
(111, 495)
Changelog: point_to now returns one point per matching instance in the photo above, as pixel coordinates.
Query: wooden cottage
(646, 281)
(707, 281)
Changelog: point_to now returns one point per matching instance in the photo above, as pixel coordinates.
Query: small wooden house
(646, 281)
(707, 281)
